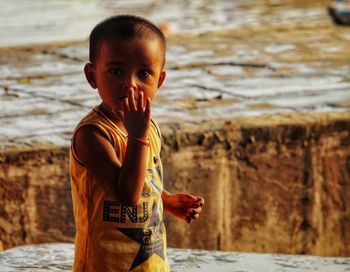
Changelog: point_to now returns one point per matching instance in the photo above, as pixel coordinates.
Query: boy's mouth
(122, 98)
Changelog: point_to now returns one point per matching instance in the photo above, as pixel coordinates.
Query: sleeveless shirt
(111, 236)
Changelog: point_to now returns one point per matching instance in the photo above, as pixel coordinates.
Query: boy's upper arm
(98, 155)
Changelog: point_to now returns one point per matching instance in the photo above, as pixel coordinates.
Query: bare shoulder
(98, 156)
(92, 146)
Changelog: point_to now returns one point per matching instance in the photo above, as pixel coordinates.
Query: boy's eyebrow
(147, 64)
(114, 62)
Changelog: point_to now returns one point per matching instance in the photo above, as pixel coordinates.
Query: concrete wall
(268, 188)
(271, 184)
(35, 199)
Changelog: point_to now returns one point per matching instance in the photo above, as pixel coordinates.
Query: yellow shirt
(111, 236)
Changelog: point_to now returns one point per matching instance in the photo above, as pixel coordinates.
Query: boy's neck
(109, 113)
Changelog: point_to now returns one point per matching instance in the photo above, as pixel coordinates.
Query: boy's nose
(129, 83)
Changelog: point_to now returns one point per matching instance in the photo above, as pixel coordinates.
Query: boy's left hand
(183, 206)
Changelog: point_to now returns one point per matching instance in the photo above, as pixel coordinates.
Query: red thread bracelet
(142, 141)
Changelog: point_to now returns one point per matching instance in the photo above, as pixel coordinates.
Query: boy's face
(122, 65)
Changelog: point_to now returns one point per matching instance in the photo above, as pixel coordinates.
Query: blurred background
(39, 21)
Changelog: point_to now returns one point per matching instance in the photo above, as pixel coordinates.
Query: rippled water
(39, 21)
(264, 57)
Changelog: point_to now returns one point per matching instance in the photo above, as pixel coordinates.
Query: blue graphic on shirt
(149, 238)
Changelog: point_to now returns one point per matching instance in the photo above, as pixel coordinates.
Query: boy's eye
(115, 71)
(144, 73)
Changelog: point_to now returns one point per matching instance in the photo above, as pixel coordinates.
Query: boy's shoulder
(94, 120)
(89, 120)
(95, 116)
(90, 115)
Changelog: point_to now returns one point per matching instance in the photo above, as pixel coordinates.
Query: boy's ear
(161, 78)
(90, 75)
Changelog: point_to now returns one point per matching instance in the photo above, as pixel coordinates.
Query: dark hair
(123, 27)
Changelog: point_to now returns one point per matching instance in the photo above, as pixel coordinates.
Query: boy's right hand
(182, 205)
(134, 115)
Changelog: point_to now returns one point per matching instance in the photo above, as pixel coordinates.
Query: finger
(191, 213)
(140, 101)
(125, 105)
(148, 109)
(131, 100)
(199, 201)
(196, 216)
(198, 210)
(189, 219)
(192, 216)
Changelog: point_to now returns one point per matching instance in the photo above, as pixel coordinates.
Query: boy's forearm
(132, 173)
(165, 194)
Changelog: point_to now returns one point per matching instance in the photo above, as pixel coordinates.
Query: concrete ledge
(273, 183)
(59, 257)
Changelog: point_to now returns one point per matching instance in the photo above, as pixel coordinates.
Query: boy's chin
(107, 107)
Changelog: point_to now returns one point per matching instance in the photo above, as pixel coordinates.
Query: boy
(116, 172)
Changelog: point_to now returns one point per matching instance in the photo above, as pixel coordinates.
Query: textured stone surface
(59, 257)
(269, 188)
(35, 197)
